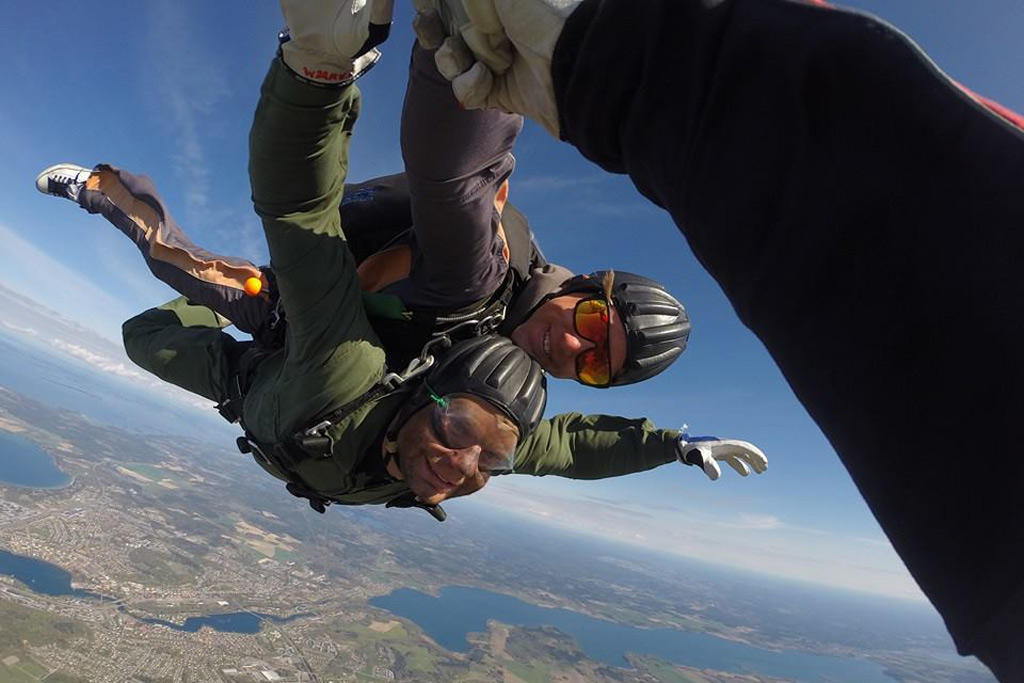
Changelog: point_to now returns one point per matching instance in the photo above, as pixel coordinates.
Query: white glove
(497, 53)
(330, 42)
(706, 451)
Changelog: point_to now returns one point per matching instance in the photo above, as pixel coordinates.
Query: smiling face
(551, 338)
(438, 466)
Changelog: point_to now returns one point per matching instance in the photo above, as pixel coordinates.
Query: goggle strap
(439, 400)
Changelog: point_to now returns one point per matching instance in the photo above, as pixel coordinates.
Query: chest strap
(315, 441)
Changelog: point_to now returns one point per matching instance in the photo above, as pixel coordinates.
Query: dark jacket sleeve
(863, 214)
(455, 162)
(581, 446)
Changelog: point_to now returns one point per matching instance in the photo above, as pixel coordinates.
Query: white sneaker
(63, 180)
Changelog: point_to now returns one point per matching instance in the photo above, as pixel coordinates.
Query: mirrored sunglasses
(592, 320)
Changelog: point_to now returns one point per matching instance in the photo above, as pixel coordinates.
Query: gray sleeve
(456, 160)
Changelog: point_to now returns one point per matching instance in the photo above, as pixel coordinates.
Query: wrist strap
(344, 83)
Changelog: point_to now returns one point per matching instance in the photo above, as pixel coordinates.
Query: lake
(234, 622)
(23, 463)
(49, 579)
(459, 610)
(41, 577)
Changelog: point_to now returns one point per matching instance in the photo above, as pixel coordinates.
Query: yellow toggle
(253, 286)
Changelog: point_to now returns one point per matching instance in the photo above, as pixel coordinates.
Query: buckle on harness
(489, 324)
(416, 367)
(276, 314)
(317, 429)
(477, 327)
(315, 440)
(284, 462)
(228, 411)
(231, 407)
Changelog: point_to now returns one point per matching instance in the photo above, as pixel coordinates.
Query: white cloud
(35, 274)
(19, 329)
(587, 193)
(872, 542)
(98, 361)
(240, 227)
(748, 540)
(195, 88)
(76, 339)
(752, 521)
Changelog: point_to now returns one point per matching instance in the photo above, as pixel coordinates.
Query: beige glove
(331, 42)
(497, 53)
(707, 451)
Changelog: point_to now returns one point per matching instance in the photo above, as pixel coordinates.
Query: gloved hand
(332, 42)
(707, 451)
(497, 53)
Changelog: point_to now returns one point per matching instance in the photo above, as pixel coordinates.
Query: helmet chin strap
(544, 283)
(407, 499)
(389, 452)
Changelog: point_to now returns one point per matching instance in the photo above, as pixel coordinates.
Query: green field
(156, 474)
(34, 627)
(25, 671)
(537, 673)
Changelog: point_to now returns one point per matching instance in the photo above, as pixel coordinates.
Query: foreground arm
(832, 179)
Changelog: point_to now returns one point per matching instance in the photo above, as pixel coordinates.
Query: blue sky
(167, 87)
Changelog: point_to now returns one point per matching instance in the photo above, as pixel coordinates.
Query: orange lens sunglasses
(593, 322)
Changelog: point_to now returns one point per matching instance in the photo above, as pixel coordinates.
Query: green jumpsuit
(298, 164)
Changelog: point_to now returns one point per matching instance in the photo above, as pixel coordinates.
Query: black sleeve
(455, 162)
(864, 216)
(375, 213)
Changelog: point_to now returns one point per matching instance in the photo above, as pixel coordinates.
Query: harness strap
(284, 461)
(315, 441)
(494, 307)
(238, 385)
(316, 501)
(408, 500)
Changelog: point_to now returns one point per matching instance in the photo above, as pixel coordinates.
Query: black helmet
(657, 326)
(492, 368)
